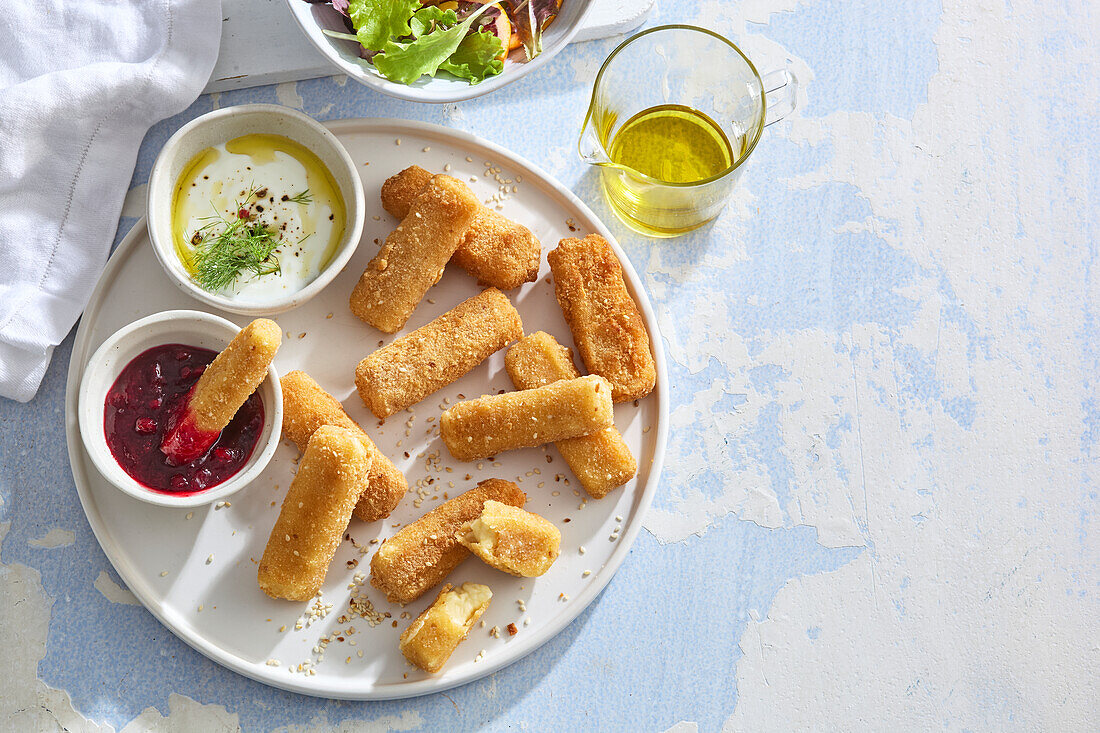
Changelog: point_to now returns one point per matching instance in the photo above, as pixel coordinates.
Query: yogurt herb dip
(256, 218)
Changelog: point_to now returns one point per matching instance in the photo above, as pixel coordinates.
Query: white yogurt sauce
(265, 176)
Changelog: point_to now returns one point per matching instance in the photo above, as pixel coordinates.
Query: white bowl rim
(451, 93)
(90, 415)
(354, 203)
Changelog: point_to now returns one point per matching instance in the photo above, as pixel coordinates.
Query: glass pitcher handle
(781, 93)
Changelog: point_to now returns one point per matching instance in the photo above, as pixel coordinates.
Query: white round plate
(315, 18)
(195, 569)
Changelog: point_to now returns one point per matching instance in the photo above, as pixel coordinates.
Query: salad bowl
(315, 18)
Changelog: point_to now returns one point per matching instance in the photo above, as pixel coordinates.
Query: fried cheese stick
(224, 386)
(314, 514)
(602, 461)
(512, 540)
(495, 249)
(607, 328)
(306, 407)
(434, 635)
(421, 554)
(414, 254)
(488, 425)
(431, 357)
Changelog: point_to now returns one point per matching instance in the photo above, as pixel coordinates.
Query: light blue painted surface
(661, 645)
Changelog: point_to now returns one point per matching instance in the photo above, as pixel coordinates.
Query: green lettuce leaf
(426, 19)
(376, 21)
(480, 55)
(406, 61)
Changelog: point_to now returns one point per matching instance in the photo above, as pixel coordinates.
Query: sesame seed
(163, 573)
(189, 515)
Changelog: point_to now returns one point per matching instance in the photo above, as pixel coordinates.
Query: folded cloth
(80, 85)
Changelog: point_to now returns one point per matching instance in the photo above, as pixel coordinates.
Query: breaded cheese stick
(495, 249)
(607, 328)
(434, 635)
(602, 461)
(224, 386)
(306, 407)
(421, 554)
(314, 514)
(512, 540)
(488, 425)
(431, 357)
(414, 254)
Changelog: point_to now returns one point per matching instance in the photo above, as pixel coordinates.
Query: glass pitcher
(687, 68)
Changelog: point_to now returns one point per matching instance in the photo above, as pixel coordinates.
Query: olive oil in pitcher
(670, 144)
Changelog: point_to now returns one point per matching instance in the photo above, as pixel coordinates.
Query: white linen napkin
(80, 85)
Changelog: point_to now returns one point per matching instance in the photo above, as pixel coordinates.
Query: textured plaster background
(878, 504)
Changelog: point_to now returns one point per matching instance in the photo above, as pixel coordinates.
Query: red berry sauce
(148, 397)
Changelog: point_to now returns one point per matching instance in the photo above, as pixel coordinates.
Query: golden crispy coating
(433, 636)
(400, 189)
(421, 554)
(564, 409)
(307, 407)
(512, 540)
(413, 256)
(436, 354)
(314, 515)
(607, 328)
(234, 375)
(495, 249)
(498, 251)
(228, 381)
(602, 461)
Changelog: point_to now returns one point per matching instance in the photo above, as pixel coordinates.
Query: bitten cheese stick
(602, 461)
(607, 328)
(421, 554)
(512, 540)
(436, 354)
(413, 256)
(495, 249)
(564, 409)
(432, 638)
(223, 387)
(306, 407)
(314, 514)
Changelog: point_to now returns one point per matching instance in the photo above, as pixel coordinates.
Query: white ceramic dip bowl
(191, 328)
(217, 128)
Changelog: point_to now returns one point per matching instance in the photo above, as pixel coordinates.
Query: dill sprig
(302, 198)
(226, 247)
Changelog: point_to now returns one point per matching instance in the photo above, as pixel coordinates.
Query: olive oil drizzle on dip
(268, 182)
